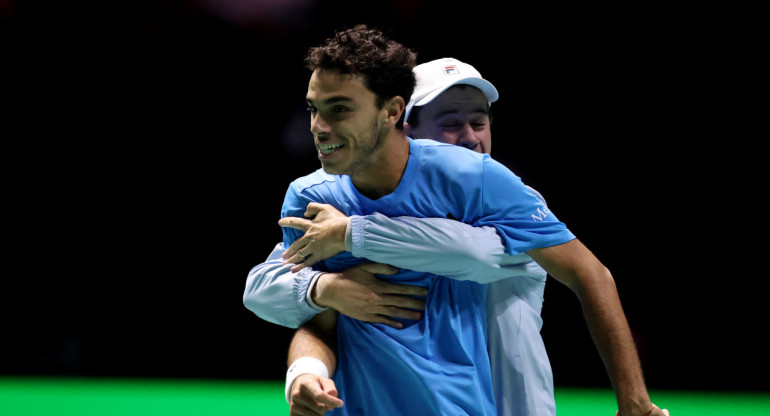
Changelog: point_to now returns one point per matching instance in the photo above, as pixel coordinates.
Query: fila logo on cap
(450, 70)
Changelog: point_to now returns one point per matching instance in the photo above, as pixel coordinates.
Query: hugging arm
(441, 246)
(575, 266)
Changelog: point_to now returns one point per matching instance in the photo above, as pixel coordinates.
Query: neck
(387, 168)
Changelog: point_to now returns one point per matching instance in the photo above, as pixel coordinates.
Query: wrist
(638, 410)
(304, 365)
(309, 293)
(341, 234)
(319, 292)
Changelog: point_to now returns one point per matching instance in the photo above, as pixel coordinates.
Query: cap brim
(489, 90)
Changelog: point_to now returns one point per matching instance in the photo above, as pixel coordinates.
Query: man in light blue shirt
(521, 370)
(512, 219)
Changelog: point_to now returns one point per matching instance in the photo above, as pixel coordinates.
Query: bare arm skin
(310, 394)
(357, 293)
(574, 265)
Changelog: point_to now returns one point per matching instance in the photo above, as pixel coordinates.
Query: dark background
(150, 144)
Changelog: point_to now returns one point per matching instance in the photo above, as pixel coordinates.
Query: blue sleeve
(522, 218)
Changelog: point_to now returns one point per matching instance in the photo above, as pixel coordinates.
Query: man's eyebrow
(480, 110)
(332, 100)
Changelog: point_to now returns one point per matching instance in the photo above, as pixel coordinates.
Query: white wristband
(304, 365)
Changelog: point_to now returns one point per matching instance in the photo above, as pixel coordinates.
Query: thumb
(313, 209)
(331, 400)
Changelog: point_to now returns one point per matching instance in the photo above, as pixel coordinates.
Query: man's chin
(331, 169)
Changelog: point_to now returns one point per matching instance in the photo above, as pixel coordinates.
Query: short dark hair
(386, 65)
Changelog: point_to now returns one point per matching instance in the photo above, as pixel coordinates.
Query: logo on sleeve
(542, 212)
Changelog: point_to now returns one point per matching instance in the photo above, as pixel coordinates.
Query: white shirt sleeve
(277, 295)
(435, 245)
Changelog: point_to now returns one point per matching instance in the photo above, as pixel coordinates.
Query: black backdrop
(152, 142)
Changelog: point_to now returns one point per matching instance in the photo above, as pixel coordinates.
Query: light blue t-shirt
(439, 364)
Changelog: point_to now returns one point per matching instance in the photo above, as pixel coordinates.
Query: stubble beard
(369, 153)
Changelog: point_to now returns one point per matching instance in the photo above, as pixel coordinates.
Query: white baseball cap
(436, 76)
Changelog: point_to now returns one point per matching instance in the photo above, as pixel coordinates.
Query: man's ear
(394, 108)
(408, 130)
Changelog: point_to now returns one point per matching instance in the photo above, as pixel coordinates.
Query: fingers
(313, 209)
(301, 261)
(400, 302)
(294, 222)
(393, 288)
(297, 409)
(297, 254)
(313, 397)
(378, 268)
(297, 267)
(331, 401)
(381, 319)
(294, 255)
(408, 290)
(657, 411)
(402, 313)
(292, 250)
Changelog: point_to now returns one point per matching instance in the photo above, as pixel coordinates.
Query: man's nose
(318, 125)
(468, 137)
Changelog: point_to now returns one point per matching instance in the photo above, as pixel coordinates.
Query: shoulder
(318, 186)
(433, 147)
(319, 177)
(537, 194)
(447, 157)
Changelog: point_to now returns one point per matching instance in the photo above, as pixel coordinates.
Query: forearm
(434, 245)
(575, 266)
(317, 338)
(612, 336)
(277, 295)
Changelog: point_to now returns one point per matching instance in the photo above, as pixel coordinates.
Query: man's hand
(656, 411)
(357, 293)
(312, 395)
(324, 235)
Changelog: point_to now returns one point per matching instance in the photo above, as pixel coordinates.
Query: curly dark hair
(386, 65)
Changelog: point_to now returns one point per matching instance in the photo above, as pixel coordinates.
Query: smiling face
(346, 123)
(458, 116)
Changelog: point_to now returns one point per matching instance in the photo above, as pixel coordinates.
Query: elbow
(251, 303)
(595, 282)
(266, 311)
(271, 302)
(254, 295)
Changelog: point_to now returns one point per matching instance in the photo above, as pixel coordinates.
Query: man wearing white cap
(450, 104)
(457, 114)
